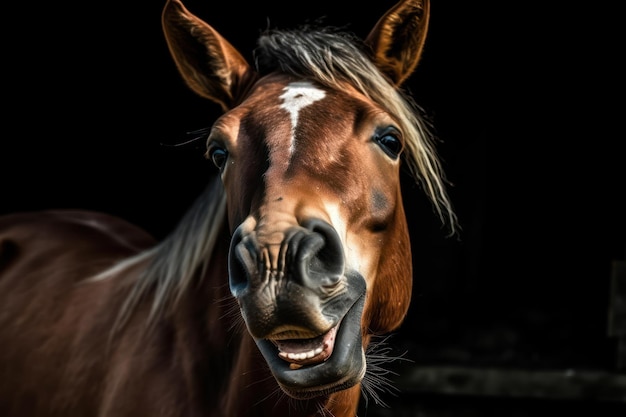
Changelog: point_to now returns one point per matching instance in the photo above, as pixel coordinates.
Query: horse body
(264, 300)
(54, 326)
(73, 365)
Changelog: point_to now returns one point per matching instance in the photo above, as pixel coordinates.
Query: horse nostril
(314, 255)
(321, 260)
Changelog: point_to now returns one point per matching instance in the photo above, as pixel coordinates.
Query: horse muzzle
(301, 307)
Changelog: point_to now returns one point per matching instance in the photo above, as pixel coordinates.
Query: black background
(525, 99)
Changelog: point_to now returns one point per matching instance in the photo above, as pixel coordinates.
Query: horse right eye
(218, 156)
(389, 141)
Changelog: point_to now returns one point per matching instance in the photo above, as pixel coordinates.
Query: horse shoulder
(56, 236)
(56, 321)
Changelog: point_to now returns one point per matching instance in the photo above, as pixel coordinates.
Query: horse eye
(218, 156)
(390, 143)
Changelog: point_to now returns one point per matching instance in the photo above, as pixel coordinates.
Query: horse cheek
(390, 295)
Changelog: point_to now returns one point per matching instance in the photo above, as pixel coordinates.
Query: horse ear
(208, 63)
(398, 38)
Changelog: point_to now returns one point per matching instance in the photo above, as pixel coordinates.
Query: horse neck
(208, 328)
(195, 333)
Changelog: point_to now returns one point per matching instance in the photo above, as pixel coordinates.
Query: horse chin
(344, 368)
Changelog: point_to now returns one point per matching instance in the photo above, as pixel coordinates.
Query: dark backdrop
(524, 98)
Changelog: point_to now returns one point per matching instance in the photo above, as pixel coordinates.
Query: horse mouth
(307, 351)
(313, 366)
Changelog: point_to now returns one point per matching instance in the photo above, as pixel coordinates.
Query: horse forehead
(298, 95)
(295, 116)
(283, 100)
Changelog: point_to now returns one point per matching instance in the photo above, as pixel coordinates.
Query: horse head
(309, 150)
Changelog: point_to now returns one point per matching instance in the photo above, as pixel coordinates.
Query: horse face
(312, 184)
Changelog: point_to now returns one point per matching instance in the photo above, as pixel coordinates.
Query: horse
(266, 298)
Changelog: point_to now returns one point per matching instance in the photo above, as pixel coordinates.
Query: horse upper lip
(307, 351)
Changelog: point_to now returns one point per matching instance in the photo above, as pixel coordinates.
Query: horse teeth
(301, 355)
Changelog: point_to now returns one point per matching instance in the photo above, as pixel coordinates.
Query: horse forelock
(333, 58)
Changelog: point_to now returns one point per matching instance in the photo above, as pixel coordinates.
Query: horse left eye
(218, 156)
(390, 143)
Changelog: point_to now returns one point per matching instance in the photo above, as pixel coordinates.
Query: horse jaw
(342, 369)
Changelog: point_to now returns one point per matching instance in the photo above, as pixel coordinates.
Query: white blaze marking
(297, 96)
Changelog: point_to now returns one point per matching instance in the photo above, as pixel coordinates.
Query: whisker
(198, 134)
(377, 378)
(231, 315)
